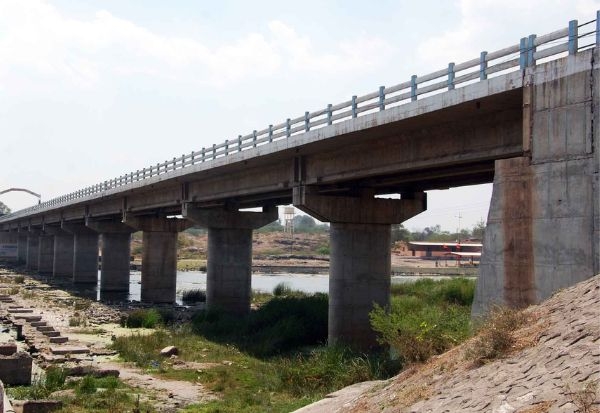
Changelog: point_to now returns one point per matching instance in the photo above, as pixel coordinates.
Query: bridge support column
(33, 250)
(229, 258)
(116, 256)
(22, 248)
(159, 257)
(543, 228)
(85, 254)
(46, 254)
(63, 253)
(360, 257)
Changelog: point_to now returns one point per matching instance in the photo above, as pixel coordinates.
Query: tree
(478, 230)
(399, 233)
(4, 209)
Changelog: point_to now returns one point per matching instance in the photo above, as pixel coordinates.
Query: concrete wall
(544, 220)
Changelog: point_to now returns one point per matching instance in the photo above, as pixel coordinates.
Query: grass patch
(193, 296)
(191, 265)
(19, 279)
(142, 318)
(278, 326)
(425, 318)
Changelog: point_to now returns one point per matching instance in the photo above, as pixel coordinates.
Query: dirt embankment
(554, 366)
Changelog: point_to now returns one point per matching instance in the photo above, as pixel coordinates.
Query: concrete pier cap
(159, 255)
(229, 258)
(360, 258)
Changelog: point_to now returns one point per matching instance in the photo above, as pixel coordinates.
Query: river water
(309, 283)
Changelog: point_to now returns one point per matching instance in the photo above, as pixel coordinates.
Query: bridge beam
(159, 256)
(116, 257)
(229, 258)
(45, 254)
(360, 256)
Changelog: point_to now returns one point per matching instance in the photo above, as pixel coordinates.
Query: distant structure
(288, 219)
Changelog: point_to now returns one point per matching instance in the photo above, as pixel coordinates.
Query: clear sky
(92, 89)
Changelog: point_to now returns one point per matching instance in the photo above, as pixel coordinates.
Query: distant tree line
(436, 234)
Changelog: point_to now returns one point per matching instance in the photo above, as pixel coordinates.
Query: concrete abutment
(543, 228)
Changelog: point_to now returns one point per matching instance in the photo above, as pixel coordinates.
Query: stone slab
(69, 350)
(45, 328)
(59, 339)
(37, 323)
(28, 318)
(20, 310)
(51, 333)
(36, 406)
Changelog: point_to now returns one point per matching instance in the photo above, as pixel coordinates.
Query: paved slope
(556, 358)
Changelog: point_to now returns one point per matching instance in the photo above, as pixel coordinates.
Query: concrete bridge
(524, 117)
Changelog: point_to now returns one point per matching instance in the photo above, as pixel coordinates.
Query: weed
(77, 320)
(496, 334)
(193, 296)
(584, 397)
(282, 289)
(13, 290)
(19, 279)
(87, 385)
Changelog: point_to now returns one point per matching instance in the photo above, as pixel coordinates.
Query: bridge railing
(530, 51)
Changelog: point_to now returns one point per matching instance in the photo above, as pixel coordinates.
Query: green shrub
(425, 318)
(142, 318)
(278, 326)
(323, 250)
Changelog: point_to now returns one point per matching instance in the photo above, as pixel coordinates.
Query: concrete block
(15, 370)
(51, 333)
(37, 323)
(45, 328)
(59, 339)
(8, 349)
(36, 406)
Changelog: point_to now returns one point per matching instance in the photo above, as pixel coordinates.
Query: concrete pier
(33, 250)
(46, 254)
(63, 252)
(22, 248)
(85, 254)
(229, 258)
(360, 257)
(116, 255)
(159, 257)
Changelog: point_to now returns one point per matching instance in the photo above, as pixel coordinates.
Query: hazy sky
(90, 90)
